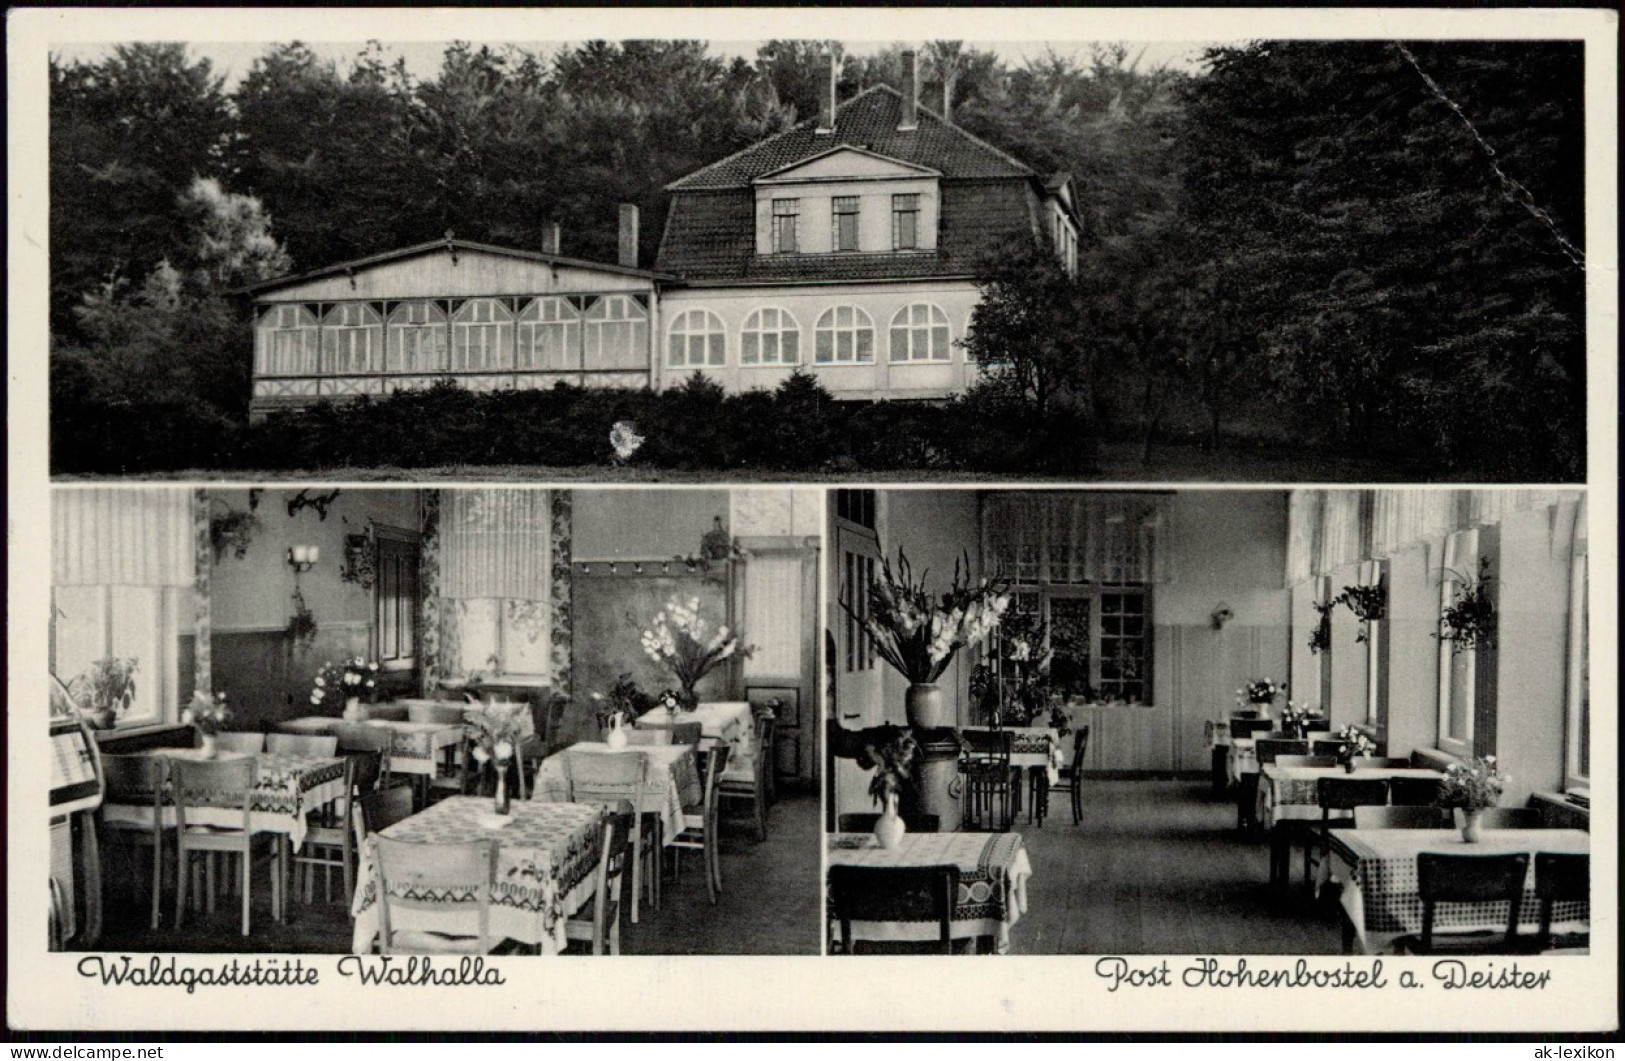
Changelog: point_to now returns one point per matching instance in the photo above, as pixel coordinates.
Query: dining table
(1382, 901)
(729, 721)
(1037, 752)
(1292, 793)
(547, 860)
(415, 748)
(672, 782)
(993, 873)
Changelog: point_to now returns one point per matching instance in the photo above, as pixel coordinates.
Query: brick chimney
(826, 106)
(629, 235)
(550, 238)
(911, 94)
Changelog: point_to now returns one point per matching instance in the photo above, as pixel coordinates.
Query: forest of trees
(1370, 247)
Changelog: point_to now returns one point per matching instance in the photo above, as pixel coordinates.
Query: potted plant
(207, 715)
(1369, 605)
(301, 624)
(918, 633)
(1260, 692)
(1469, 621)
(104, 690)
(682, 641)
(1470, 787)
(232, 531)
(348, 683)
(894, 756)
(1320, 638)
(1352, 743)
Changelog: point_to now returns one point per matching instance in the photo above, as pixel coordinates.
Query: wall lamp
(303, 557)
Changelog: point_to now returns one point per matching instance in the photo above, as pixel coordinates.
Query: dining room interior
(1207, 721)
(312, 718)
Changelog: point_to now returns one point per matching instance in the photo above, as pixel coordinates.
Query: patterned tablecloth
(673, 780)
(546, 867)
(722, 720)
(289, 788)
(993, 873)
(1380, 892)
(1033, 746)
(414, 747)
(1292, 793)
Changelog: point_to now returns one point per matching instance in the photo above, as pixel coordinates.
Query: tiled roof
(712, 236)
(868, 120)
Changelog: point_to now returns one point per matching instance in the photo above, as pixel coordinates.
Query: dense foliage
(1367, 247)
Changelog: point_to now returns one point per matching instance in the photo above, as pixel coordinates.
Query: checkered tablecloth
(288, 789)
(1380, 893)
(414, 747)
(546, 866)
(1291, 793)
(1032, 746)
(993, 874)
(722, 720)
(673, 780)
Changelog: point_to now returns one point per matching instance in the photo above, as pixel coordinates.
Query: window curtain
(1343, 531)
(118, 537)
(1080, 538)
(1303, 535)
(497, 543)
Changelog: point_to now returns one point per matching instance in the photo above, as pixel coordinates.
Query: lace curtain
(1068, 538)
(496, 544)
(119, 537)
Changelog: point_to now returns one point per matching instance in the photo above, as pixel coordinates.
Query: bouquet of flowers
(337, 682)
(1472, 785)
(1294, 716)
(206, 714)
(894, 755)
(624, 699)
(1352, 743)
(496, 730)
(105, 689)
(1260, 691)
(917, 633)
(683, 642)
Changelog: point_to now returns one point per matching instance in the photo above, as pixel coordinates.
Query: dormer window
(786, 213)
(905, 222)
(844, 230)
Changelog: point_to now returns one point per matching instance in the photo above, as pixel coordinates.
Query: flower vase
(353, 711)
(1469, 825)
(616, 737)
(926, 707)
(1348, 766)
(890, 828)
(501, 804)
(208, 746)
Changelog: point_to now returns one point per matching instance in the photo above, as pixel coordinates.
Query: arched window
(844, 334)
(286, 342)
(697, 340)
(482, 337)
(352, 340)
(549, 335)
(416, 338)
(919, 333)
(617, 333)
(770, 337)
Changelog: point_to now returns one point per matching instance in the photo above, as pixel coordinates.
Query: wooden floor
(770, 904)
(1157, 867)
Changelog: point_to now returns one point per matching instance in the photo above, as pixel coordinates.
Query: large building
(847, 246)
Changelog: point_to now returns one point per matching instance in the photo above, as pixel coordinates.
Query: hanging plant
(1469, 622)
(301, 624)
(360, 559)
(1320, 638)
(1369, 605)
(232, 530)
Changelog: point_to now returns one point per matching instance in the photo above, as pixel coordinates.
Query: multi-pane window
(1101, 639)
(1579, 696)
(905, 222)
(1458, 663)
(844, 223)
(287, 342)
(397, 603)
(482, 337)
(857, 577)
(919, 333)
(770, 337)
(549, 335)
(416, 338)
(856, 506)
(352, 339)
(617, 333)
(143, 623)
(697, 340)
(786, 213)
(844, 334)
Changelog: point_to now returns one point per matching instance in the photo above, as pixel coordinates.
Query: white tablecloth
(289, 788)
(673, 780)
(721, 720)
(415, 747)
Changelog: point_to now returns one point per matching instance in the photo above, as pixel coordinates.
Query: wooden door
(780, 618)
(857, 702)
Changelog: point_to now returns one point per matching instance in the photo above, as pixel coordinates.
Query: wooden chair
(1070, 779)
(330, 844)
(196, 783)
(699, 832)
(241, 742)
(1509, 818)
(1317, 725)
(375, 771)
(307, 744)
(689, 733)
(609, 780)
(379, 810)
(1401, 817)
(1381, 762)
(1317, 762)
(865, 823)
(746, 777)
(1339, 794)
(1445, 878)
(138, 780)
(1325, 747)
(1413, 791)
(446, 879)
(603, 928)
(648, 738)
(439, 712)
(1560, 878)
(1270, 749)
(455, 778)
(988, 780)
(1249, 728)
(883, 893)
